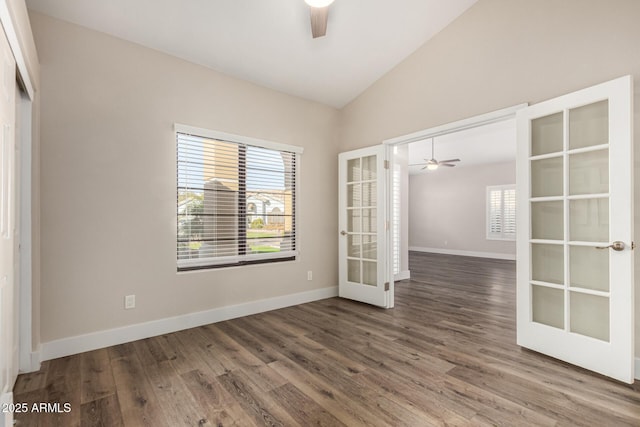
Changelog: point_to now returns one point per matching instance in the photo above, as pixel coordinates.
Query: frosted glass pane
(369, 247)
(546, 134)
(547, 306)
(589, 268)
(589, 172)
(589, 315)
(353, 271)
(547, 263)
(546, 177)
(353, 220)
(369, 220)
(589, 125)
(369, 194)
(353, 245)
(354, 195)
(589, 220)
(353, 170)
(370, 273)
(546, 220)
(369, 168)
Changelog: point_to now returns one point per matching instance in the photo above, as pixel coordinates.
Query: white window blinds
(235, 201)
(501, 212)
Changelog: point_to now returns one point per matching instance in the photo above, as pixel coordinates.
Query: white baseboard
(87, 342)
(406, 274)
(637, 368)
(494, 255)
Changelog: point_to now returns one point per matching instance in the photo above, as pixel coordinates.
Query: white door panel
(364, 232)
(575, 199)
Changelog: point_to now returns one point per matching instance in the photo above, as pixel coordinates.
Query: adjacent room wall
(448, 210)
(498, 54)
(109, 176)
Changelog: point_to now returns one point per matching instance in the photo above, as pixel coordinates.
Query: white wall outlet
(129, 302)
(309, 275)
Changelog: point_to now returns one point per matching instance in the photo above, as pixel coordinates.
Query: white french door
(364, 231)
(575, 298)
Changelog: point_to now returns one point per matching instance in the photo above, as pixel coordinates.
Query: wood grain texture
(445, 355)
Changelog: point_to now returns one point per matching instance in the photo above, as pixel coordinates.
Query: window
(501, 212)
(236, 199)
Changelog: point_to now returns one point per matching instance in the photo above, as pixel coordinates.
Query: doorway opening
(447, 209)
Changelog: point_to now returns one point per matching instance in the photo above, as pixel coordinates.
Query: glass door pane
(548, 306)
(547, 263)
(589, 268)
(546, 134)
(546, 177)
(361, 230)
(589, 125)
(589, 172)
(547, 220)
(589, 220)
(581, 159)
(589, 315)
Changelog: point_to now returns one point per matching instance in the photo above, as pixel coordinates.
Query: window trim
(239, 139)
(186, 265)
(495, 236)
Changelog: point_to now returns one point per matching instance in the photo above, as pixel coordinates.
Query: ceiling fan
(319, 11)
(433, 164)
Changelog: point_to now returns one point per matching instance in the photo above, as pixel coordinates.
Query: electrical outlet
(129, 302)
(309, 275)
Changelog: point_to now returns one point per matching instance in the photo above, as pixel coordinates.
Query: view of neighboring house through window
(501, 212)
(235, 200)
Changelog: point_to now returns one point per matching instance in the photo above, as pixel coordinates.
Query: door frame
(28, 360)
(496, 116)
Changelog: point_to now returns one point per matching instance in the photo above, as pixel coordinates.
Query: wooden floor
(445, 355)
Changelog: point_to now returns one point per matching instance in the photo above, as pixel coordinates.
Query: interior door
(364, 229)
(575, 245)
(8, 308)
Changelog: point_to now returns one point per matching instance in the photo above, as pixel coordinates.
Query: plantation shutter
(501, 212)
(236, 200)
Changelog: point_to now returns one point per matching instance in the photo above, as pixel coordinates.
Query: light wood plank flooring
(445, 355)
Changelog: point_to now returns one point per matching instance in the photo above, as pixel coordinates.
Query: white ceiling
(269, 41)
(491, 143)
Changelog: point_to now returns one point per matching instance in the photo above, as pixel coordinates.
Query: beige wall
(108, 181)
(448, 209)
(501, 53)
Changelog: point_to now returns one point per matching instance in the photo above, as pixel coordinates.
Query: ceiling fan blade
(319, 16)
(449, 161)
(449, 165)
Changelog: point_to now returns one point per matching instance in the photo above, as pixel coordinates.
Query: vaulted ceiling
(269, 41)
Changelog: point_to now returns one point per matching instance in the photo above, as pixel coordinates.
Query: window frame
(502, 235)
(185, 265)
